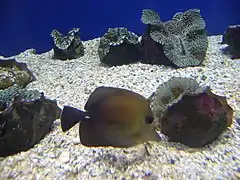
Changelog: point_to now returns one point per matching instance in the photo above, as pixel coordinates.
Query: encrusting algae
(189, 113)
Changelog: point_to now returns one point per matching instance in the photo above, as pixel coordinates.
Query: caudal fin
(71, 116)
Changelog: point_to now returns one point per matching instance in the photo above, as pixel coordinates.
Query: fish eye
(149, 119)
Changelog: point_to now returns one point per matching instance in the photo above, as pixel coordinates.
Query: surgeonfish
(112, 117)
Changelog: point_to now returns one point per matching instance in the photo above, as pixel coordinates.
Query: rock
(153, 52)
(183, 39)
(67, 47)
(76, 141)
(189, 113)
(231, 37)
(25, 120)
(169, 93)
(13, 72)
(64, 157)
(119, 46)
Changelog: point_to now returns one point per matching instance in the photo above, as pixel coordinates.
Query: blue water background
(28, 23)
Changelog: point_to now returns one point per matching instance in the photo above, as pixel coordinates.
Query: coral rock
(183, 39)
(13, 72)
(119, 46)
(150, 17)
(232, 37)
(153, 52)
(189, 113)
(26, 117)
(67, 47)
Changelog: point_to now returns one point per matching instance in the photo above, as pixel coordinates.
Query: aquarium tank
(27, 24)
(145, 90)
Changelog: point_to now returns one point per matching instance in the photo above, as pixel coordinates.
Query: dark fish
(113, 117)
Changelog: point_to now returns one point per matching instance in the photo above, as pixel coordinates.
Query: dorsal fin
(102, 93)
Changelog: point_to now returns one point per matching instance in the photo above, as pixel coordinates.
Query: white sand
(60, 155)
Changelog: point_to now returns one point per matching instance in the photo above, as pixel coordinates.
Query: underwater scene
(120, 90)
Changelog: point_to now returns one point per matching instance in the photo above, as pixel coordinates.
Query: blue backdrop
(28, 23)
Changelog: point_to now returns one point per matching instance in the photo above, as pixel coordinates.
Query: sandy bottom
(60, 155)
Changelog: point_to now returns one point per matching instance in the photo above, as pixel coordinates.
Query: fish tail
(71, 116)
